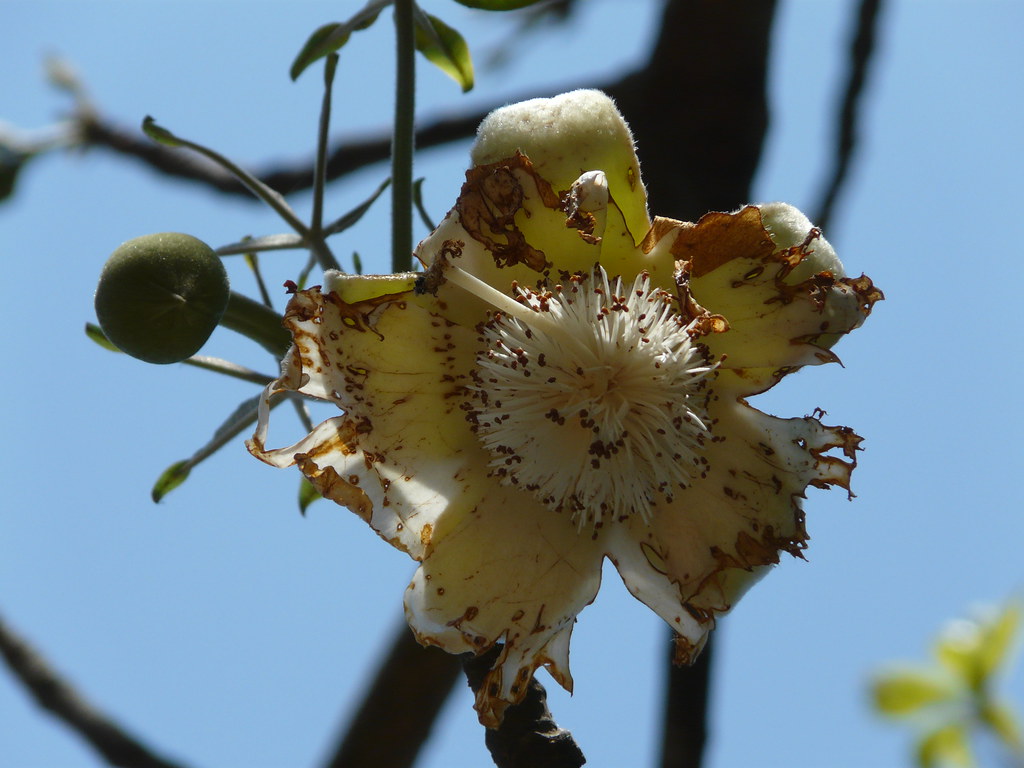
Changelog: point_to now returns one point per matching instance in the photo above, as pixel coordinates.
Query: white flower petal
(504, 568)
(396, 367)
(731, 266)
(699, 554)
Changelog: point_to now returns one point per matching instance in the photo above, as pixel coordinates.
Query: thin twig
(347, 154)
(114, 743)
(399, 708)
(861, 48)
(528, 736)
(318, 244)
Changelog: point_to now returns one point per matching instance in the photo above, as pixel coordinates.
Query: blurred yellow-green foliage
(953, 703)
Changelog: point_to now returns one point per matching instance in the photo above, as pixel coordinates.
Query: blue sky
(228, 630)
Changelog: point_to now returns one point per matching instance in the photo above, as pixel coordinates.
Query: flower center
(589, 396)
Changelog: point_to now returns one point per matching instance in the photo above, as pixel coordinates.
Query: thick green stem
(403, 138)
(258, 322)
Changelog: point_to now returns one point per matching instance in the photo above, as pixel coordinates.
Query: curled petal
(779, 316)
(505, 226)
(509, 223)
(390, 360)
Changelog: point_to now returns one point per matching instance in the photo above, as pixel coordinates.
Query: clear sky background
(229, 631)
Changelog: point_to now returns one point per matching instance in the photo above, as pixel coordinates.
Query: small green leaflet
(241, 418)
(95, 333)
(172, 477)
(158, 134)
(331, 37)
(445, 48)
(307, 495)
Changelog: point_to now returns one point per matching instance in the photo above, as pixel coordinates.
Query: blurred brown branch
(862, 46)
(407, 693)
(116, 745)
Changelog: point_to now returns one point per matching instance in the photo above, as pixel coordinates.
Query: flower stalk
(256, 321)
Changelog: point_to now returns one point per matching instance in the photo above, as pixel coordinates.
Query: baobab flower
(566, 381)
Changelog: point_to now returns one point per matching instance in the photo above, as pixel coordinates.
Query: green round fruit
(160, 296)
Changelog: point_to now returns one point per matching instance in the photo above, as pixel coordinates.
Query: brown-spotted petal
(700, 553)
(504, 568)
(395, 366)
(566, 136)
(785, 301)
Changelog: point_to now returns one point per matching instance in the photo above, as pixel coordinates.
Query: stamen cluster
(592, 397)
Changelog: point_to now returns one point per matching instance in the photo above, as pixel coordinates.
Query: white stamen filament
(506, 304)
(587, 398)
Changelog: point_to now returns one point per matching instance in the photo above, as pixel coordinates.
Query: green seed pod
(160, 296)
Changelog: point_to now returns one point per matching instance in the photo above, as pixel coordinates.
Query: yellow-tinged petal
(502, 567)
(784, 303)
(976, 648)
(1001, 717)
(999, 636)
(567, 136)
(509, 225)
(396, 367)
(701, 552)
(947, 745)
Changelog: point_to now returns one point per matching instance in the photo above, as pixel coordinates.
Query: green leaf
(347, 220)
(1001, 718)
(903, 692)
(307, 495)
(331, 37)
(159, 134)
(497, 5)
(445, 48)
(945, 746)
(241, 418)
(172, 477)
(95, 333)
(357, 263)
